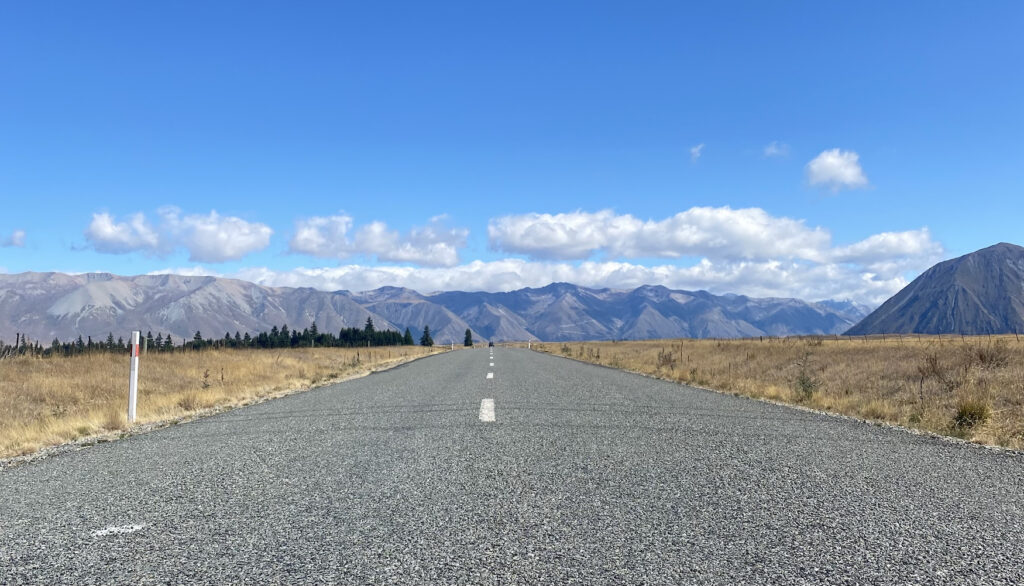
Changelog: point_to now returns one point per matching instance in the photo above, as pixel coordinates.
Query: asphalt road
(585, 475)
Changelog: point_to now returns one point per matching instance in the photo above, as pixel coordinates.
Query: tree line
(283, 337)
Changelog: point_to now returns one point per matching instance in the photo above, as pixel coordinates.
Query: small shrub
(971, 413)
(991, 355)
(931, 368)
(806, 385)
(206, 379)
(666, 359)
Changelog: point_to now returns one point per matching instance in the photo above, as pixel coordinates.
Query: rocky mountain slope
(978, 293)
(53, 305)
(49, 305)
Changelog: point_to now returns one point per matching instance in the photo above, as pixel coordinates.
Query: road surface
(536, 470)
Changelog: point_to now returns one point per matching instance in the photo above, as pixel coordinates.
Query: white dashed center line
(487, 410)
(492, 364)
(122, 530)
(490, 375)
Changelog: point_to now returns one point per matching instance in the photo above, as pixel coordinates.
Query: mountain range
(978, 293)
(54, 305)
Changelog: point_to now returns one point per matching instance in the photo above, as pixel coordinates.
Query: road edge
(143, 428)
(874, 422)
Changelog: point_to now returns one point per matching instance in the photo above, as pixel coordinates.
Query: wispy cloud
(776, 149)
(836, 170)
(696, 152)
(15, 239)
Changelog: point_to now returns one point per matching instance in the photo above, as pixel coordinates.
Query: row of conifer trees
(277, 337)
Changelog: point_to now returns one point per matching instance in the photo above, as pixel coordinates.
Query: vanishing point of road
(504, 466)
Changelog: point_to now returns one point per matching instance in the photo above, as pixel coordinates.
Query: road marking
(487, 410)
(490, 375)
(492, 364)
(114, 530)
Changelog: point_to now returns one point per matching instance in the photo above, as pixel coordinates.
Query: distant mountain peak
(48, 305)
(977, 293)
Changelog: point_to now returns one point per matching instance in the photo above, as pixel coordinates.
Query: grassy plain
(48, 401)
(972, 387)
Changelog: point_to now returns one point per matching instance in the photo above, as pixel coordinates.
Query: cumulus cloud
(107, 235)
(696, 152)
(891, 253)
(723, 233)
(776, 149)
(836, 170)
(212, 237)
(868, 271)
(435, 244)
(746, 251)
(16, 239)
(740, 250)
(207, 237)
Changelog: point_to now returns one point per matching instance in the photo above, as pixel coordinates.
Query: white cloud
(195, 271)
(212, 237)
(208, 238)
(836, 169)
(776, 149)
(696, 152)
(107, 235)
(322, 236)
(757, 279)
(16, 239)
(721, 233)
(743, 251)
(891, 253)
(435, 244)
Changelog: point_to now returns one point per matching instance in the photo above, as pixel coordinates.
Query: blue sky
(492, 146)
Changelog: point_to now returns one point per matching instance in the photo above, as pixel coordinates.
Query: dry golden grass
(971, 387)
(49, 401)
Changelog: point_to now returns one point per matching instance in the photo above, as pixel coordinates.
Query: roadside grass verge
(971, 387)
(49, 401)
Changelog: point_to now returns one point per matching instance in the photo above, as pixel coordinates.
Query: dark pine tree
(469, 338)
(407, 338)
(425, 339)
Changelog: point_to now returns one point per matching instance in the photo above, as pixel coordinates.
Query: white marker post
(133, 377)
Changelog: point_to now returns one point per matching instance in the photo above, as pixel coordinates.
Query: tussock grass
(969, 387)
(49, 401)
